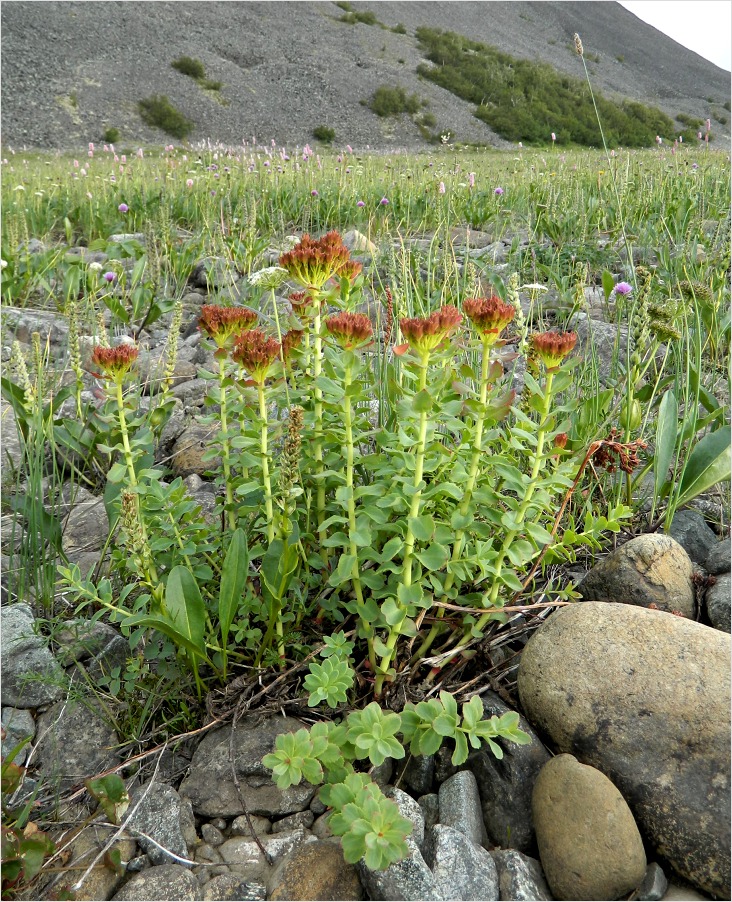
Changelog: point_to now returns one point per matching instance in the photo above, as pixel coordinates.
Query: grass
(159, 112)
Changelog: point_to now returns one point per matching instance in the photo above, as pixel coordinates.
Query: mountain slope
(72, 69)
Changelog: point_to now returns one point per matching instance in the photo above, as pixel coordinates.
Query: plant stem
(406, 580)
(264, 455)
(225, 451)
(352, 547)
(318, 437)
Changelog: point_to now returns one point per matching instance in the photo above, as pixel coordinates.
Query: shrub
(210, 84)
(690, 121)
(399, 29)
(111, 135)
(427, 120)
(365, 18)
(188, 66)
(726, 105)
(387, 101)
(160, 112)
(324, 133)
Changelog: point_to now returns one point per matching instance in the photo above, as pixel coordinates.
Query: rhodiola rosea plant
(388, 540)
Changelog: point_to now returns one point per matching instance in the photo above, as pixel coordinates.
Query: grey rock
(631, 721)
(315, 871)
(240, 827)
(604, 339)
(317, 807)
(691, 531)
(31, 676)
(190, 448)
(382, 773)
(11, 450)
(408, 879)
(164, 883)
(302, 819)
(718, 601)
(95, 644)
(589, 843)
(211, 835)
(321, 827)
(409, 808)
(462, 869)
(430, 805)
(654, 885)
(520, 877)
(210, 784)
(213, 273)
(102, 882)
(158, 816)
(228, 888)
(718, 559)
(86, 528)
(192, 392)
(21, 322)
(418, 773)
(207, 854)
(460, 806)
(18, 724)
(245, 858)
(650, 569)
(120, 237)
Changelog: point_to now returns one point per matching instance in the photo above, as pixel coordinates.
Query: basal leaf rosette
(295, 759)
(425, 333)
(222, 324)
(489, 317)
(373, 734)
(313, 261)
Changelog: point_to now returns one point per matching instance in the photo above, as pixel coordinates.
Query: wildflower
(560, 441)
(552, 347)
(554, 137)
(313, 261)
(291, 340)
(350, 270)
(350, 330)
(189, 183)
(4, 263)
(349, 148)
(578, 45)
(270, 277)
(424, 334)
(123, 208)
(441, 188)
(314, 193)
(699, 135)
(471, 179)
(256, 353)
(384, 201)
(109, 276)
(116, 362)
(222, 323)
(489, 316)
(623, 288)
(95, 267)
(360, 203)
(498, 191)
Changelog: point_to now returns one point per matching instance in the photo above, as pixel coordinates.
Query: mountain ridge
(72, 69)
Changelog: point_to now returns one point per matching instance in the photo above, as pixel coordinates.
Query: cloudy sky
(704, 26)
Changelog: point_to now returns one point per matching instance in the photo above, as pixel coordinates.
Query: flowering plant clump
(115, 363)
(223, 323)
(489, 316)
(350, 330)
(552, 347)
(426, 333)
(256, 353)
(315, 260)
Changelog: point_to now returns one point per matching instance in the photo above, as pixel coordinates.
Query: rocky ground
(70, 70)
(625, 696)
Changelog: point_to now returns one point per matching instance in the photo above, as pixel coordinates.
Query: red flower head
(489, 317)
(425, 333)
(222, 323)
(114, 363)
(256, 353)
(313, 261)
(350, 330)
(290, 341)
(351, 269)
(552, 347)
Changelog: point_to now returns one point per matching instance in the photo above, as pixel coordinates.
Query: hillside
(71, 70)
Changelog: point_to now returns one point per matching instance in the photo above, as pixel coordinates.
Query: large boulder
(31, 675)
(211, 784)
(589, 843)
(644, 697)
(650, 570)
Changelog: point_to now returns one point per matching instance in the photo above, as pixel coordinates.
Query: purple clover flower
(498, 191)
(623, 288)
(384, 201)
(123, 208)
(110, 276)
(313, 193)
(360, 203)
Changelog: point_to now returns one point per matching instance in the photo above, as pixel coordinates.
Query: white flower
(534, 286)
(3, 264)
(270, 277)
(95, 267)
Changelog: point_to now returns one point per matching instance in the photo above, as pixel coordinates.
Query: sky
(704, 26)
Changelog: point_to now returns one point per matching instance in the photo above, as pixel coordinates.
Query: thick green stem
(459, 544)
(318, 438)
(151, 575)
(352, 546)
(406, 580)
(225, 450)
(264, 457)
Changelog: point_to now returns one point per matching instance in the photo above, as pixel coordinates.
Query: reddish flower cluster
(489, 316)
(552, 347)
(256, 353)
(114, 363)
(351, 269)
(315, 260)
(290, 341)
(613, 453)
(221, 323)
(349, 329)
(425, 333)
